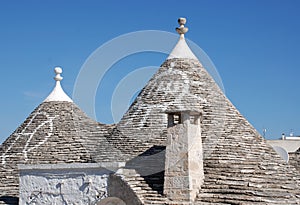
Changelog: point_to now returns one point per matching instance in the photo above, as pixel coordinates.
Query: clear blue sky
(253, 43)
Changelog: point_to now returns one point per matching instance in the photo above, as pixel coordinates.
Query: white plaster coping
(289, 145)
(113, 166)
(58, 94)
(182, 50)
(292, 138)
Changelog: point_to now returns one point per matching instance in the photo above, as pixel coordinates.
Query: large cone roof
(239, 166)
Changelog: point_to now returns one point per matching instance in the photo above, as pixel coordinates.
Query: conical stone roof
(57, 131)
(239, 166)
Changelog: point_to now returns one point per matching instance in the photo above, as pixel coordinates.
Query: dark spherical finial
(181, 29)
(182, 21)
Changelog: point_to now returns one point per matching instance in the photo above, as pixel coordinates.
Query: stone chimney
(184, 173)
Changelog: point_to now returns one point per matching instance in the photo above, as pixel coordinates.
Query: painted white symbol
(30, 134)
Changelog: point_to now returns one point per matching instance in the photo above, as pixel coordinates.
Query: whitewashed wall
(80, 184)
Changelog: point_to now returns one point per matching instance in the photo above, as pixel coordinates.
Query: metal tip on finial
(58, 71)
(181, 29)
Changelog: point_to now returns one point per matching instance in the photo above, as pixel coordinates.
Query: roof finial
(182, 50)
(181, 29)
(58, 94)
(58, 71)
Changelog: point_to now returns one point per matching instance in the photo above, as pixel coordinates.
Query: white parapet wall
(79, 184)
(290, 145)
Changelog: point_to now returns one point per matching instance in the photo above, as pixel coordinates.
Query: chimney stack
(184, 173)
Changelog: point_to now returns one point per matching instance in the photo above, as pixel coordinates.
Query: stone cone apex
(58, 94)
(239, 166)
(182, 50)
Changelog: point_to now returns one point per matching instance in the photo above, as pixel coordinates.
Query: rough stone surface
(131, 187)
(55, 132)
(294, 159)
(111, 201)
(184, 163)
(239, 166)
(64, 185)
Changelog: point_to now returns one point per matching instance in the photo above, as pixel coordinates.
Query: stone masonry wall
(184, 163)
(118, 188)
(294, 160)
(78, 184)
